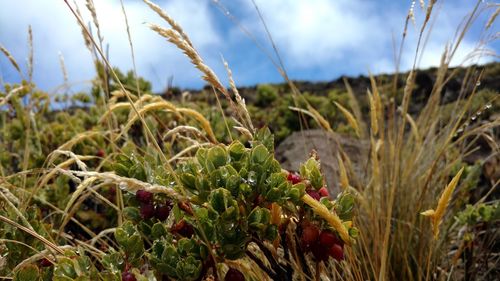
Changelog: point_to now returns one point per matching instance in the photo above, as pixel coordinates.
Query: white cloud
(319, 39)
(313, 32)
(324, 35)
(444, 28)
(56, 30)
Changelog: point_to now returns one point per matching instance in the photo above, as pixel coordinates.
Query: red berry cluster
(316, 194)
(149, 209)
(183, 228)
(293, 178)
(322, 244)
(128, 276)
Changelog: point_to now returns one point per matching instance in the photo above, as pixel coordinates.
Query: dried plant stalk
(350, 118)
(330, 217)
(11, 58)
(437, 214)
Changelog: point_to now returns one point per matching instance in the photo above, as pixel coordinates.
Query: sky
(318, 40)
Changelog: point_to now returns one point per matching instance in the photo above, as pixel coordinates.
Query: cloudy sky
(317, 39)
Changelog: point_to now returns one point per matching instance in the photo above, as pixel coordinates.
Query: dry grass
(411, 159)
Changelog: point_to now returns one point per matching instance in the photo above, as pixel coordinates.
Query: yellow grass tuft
(344, 180)
(437, 214)
(373, 114)
(350, 118)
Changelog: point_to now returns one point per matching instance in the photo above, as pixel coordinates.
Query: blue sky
(318, 40)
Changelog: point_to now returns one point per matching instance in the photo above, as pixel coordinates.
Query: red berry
(323, 192)
(100, 153)
(327, 238)
(112, 191)
(144, 196)
(162, 212)
(234, 275)
(147, 211)
(336, 252)
(293, 178)
(319, 251)
(183, 228)
(127, 276)
(45, 262)
(314, 194)
(310, 234)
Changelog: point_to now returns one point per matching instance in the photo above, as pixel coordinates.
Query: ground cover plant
(128, 185)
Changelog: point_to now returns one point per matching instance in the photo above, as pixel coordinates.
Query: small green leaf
(135, 246)
(259, 154)
(236, 150)
(132, 213)
(121, 237)
(217, 156)
(120, 169)
(271, 232)
(345, 206)
(273, 195)
(188, 180)
(27, 273)
(137, 172)
(189, 269)
(353, 232)
(201, 156)
(254, 216)
(185, 246)
(264, 136)
(294, 194)
(219, 199)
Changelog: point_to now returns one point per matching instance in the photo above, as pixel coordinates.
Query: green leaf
(219, 199)
(27, 273)
(201, 157)
(158, 230)
(188, 180)
(185, 246)
(271, 232)
(120, 169)
(64, 268)
(137, 172)
(255, 216)
(353, 232)
(217, 156)
(170, 256)
(132, 213)
(294, 194)
(121, 237)
(233, 184)
(245, 189)
(311, 171)
(135, 246)
(233, 251)
(189, 269)
(236, 150)
(485, 212)
(264, 136)
(345, 206)
(113, 261)
(273, 195)
(230, 214)
(327, 203)
(259, 154)
(259, 218)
